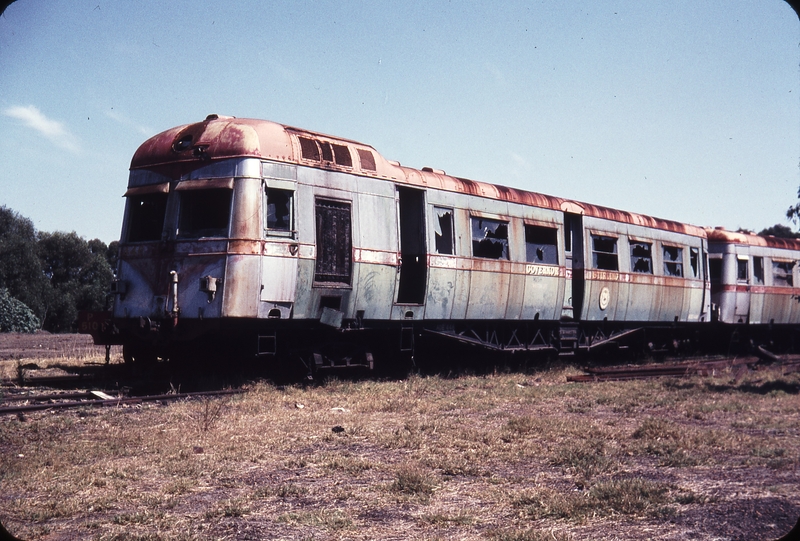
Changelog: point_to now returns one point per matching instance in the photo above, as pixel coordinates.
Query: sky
(685, 110)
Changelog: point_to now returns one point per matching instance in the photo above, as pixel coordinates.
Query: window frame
(604, 255)
(486, 243)
(290, 230)
(544, 230)
(674, 263)
(635, 259)
(438, 231)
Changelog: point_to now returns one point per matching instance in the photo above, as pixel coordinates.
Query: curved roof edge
(183, 148)
(718, 234)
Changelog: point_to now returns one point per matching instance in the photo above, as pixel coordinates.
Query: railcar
(284, 243)
(754, 283)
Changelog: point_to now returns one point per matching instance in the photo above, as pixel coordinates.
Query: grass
(504, 456)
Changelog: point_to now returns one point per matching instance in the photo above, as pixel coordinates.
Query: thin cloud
(124, 120)
(52, 130)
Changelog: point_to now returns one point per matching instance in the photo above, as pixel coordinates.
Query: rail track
(735, 366)
(54, 401)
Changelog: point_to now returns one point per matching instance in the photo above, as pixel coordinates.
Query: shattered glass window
(443, 230)
(782, 273)
(541, 244)
(279, 209)
(673, 261)
(489, 238)
(642, 257)
(604, 253)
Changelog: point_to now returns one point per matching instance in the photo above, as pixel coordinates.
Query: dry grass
(523, 457)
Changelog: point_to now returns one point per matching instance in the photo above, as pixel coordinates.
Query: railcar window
(741, 270)
(758, 270)
(341, 155)
(146, 217)
(604, 253)
(489, 238)
(694, 261)
(309, 149)
(367, 159)
(443, 230)
(204, 213)
(642, 257)
(279, 209)
(782, 273)
(673, 261)
(541, 244)
(334, 242)
(327, 151)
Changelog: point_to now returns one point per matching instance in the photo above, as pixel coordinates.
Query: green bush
(15, 316)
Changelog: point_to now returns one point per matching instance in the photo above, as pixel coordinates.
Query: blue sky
(687, 110)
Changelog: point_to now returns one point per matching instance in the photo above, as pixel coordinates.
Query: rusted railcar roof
(181, 149)
(719, 234)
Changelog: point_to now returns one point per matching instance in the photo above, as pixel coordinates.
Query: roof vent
(432, 170)
(212, 117)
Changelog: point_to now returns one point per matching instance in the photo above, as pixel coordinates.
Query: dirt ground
(505, 456)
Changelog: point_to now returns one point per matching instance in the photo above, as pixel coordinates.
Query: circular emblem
(605, 296)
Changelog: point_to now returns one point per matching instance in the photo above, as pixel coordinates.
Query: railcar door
(573, 261)
(413, 253)
(742, 310)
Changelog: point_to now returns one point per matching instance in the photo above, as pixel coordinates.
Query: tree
(20, 268)
(79, 276)
(780, 231)
(15, 316)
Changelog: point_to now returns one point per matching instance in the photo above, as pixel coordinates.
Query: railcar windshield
(146, 217)
(204, 213)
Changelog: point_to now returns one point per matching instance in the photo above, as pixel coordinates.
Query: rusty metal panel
(441, 292)
(241, 293)
(278, 278)
(377, 222)
(374, 290)
(489, 289)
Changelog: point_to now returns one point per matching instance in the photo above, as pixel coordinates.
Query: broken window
(367, 159)
(278, 205)
(741, 270)
(204, 213)
(541, 244)
(489, 238)
(443, 230)
(146, 217)
(758, 270)
(673, 261)
(334, 245)
(604, 252)
(694, 261)
(782, 273)
(641, 257)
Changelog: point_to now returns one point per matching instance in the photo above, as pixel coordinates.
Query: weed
(412, 481)
(331, 520)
